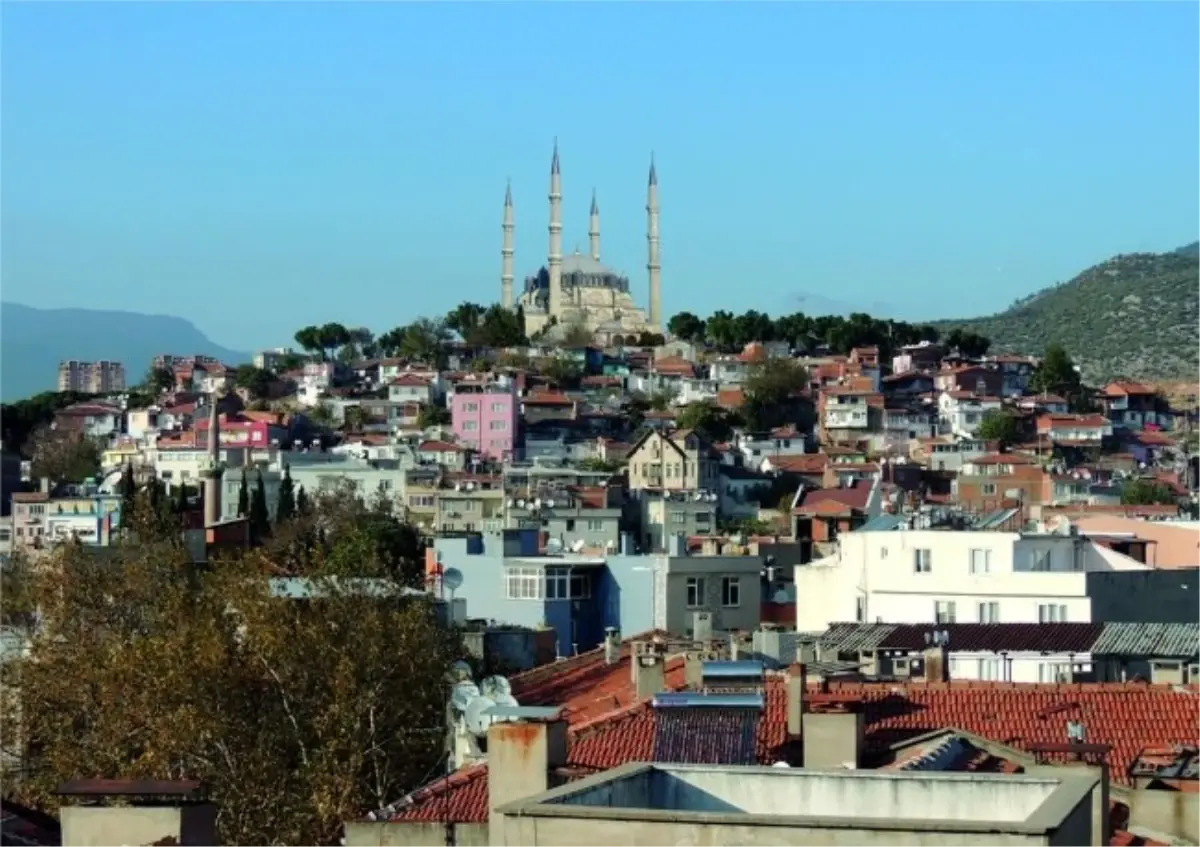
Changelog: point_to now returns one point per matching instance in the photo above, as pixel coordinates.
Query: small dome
(579, 263)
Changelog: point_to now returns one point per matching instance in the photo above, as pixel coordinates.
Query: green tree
(302, 505)
(285, 509)
(243, 508)
(561, 371)
(21, 419)
(1057, 374)
(576, 334)
(708, 420)
(465, 319)
(128, 490)
(181, 499)
(309, 340)
(650, 339)
(998, 425)
(354, 418)
(502, 327)
(431, 416)
(1143, 492)
(159, 380)
(686, 326)
(255, 381)
(260, 516)
(773, 395)
(297, 716)
(63, 456)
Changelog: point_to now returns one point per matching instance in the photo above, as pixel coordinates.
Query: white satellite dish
(495, 687)
(578, 545)
(452, 578)
(463, 694)
(476, 717)
(554, 546)
(549, 504)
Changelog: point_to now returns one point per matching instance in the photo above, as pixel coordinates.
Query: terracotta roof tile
(1128, 717)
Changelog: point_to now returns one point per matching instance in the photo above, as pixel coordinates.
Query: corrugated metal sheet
(855, 637)
(1149, 639)
(881, 523)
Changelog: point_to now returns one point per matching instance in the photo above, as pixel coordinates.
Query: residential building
(889, 573)
(574, 517)
(1074, 430)
(273, 359)
(1132, 405)
(103, 377)
(93, 420)
(947, 453)
(996, 480)
(903, 424)
(470, 503)
(974, 379)
(674, 461)
(820, 516)
(756, 447)
(917, 357)
(961, 412)
(1015, 373)
(449, 456)
(538, 406)
(667, 516)
(486, 418)
(847, 414)
(410, 388)
(39, 520)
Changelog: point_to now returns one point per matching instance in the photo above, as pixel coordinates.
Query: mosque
(579, 289)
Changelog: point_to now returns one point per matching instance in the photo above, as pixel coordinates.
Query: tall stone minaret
(212, 470)
(594, 228)
(554, 260)
(506, 252)
(652, 262)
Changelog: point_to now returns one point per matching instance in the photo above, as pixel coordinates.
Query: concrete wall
(85, 826)
(1174, 813)
(1156, 596)
(746, 615)
(415, 834)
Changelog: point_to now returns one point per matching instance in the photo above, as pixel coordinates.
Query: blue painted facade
(576, 596)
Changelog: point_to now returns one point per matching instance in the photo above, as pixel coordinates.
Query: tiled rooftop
(1128, 717)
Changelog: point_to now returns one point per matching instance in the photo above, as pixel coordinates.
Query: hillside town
(683, 566)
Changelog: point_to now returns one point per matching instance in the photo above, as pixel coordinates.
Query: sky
(256, 167)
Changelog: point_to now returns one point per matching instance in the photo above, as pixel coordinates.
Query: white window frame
(731, 592)
(1052, 612)
(981, 560)
(944, 611)
(922, 560)
(695, 592)
(524, 584)
(989, 670)
(989, 612)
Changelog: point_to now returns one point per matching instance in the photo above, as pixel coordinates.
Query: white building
(961, 412)
(952, 576)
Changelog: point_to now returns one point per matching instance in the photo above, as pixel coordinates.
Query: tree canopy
(1057, 374)
(998, 425)
(298, 713)
(708, 420)
(1144, 492)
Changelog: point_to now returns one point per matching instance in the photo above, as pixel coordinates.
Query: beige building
(676, 461)
(578, 289)
(101, 377)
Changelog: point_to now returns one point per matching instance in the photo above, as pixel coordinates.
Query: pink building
(485, 418)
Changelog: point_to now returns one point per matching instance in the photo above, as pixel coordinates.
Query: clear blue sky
(258, 166)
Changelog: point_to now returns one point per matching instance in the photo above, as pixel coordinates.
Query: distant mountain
(1132, 316)
(33, 342)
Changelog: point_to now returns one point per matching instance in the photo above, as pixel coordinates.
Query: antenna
(452, 580)
(554, 547)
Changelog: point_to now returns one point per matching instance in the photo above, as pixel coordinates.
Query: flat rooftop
(1027, 803)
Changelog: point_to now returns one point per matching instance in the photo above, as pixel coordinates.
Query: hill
(1133, 316)
(33, 342)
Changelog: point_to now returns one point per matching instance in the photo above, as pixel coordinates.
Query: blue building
(505, 579)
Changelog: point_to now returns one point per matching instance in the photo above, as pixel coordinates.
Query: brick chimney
(833, 736)
(521, 758)
(648, 670)
(152, 812)
(797, 680)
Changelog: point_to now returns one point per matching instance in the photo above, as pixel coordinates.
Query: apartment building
(486, 418)
(675, 461)
(101, 377)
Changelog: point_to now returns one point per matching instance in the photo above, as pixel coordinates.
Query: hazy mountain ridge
(33, 341)
(1134, 315)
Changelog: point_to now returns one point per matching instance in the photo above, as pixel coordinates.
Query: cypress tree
(285, 510)
(260, 518)
(243, 497)
(302, 504)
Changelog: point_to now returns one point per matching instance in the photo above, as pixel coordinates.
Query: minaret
(506, 252)
(212, 467)
(594, 228)
(652, 262)
(554, 260)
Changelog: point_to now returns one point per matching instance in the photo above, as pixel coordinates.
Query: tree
(576, 334)
(1143, 492)
(773, 395)
(650, 339)
(243, 508)
(128, 490)
(354, 418)
(502, 327)
(686, 326)
(302, 504)
(63, 456)
(260, 516)
(423, 339)
(297, 715)
(255, 381)
(159, 380)
(1057, 374)
(431, 416)
(561, 371)
(181, 499)
(309, 340)
(465, 319)
(21, 419)
(708, 420)
(998, 425)
(285, 509)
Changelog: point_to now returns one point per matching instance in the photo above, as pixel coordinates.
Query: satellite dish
(476, 715)
(554, 546)
(461, 671)
(495, 687)
(463, 694)
(781, 764)
(452, 578)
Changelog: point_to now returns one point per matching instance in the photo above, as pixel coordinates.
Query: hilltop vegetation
(1131, 316)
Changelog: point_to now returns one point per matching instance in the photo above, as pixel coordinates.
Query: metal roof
(855, 637)
(995, 519)
(1149, 639)
(965, 637)
(881, 523)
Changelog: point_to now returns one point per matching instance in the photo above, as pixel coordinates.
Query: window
(470, 426)
(981, 561)
(731, 591)
(943, 611)
(498, 426)
(989, 669)
(860, 609)
(989, 612)
(1039, 560)
(1052, 613)
(523, 583)
(470, 407)
(922, 561)
(1048, 672)
(989, 489)
(695, 592)
(595, 525)
(678, 517)
(883, 551)
(499, 407)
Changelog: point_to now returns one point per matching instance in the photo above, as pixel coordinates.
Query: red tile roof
(855, 497)
(1128, 717)
(439, 447)
(548, 399)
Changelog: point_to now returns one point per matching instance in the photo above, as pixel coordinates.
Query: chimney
(612, 645)
(521, 756)
(797, 681)
(693, 670)
(937, 663)
(151, 812)
(648, 670)
(833, 736)
(44, 485)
